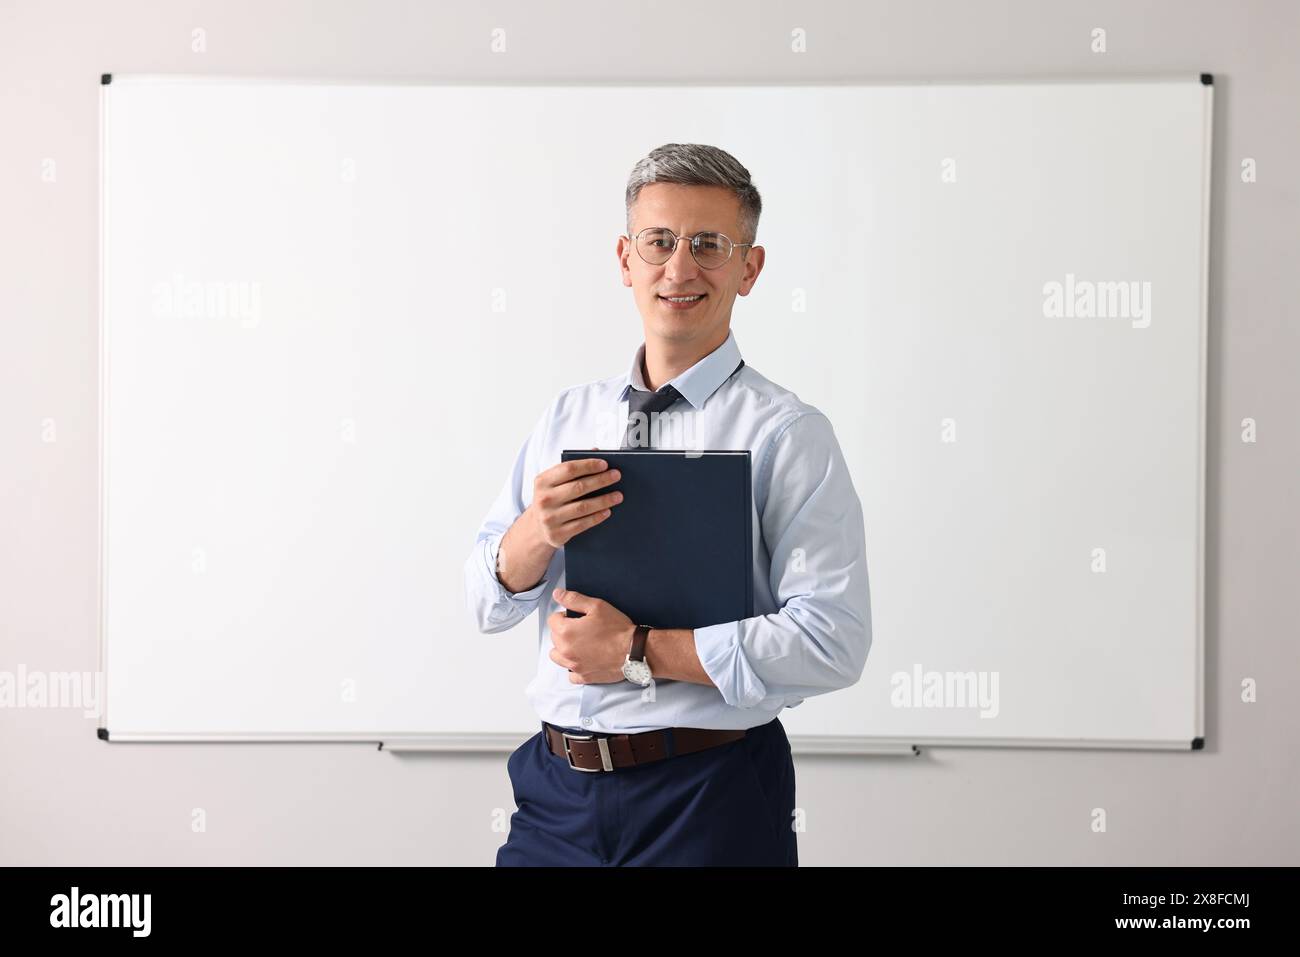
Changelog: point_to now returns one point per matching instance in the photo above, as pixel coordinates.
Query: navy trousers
(730, 805)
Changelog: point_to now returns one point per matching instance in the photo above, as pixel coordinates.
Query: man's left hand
(594, 646)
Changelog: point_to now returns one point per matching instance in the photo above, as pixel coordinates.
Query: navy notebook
(678, 551)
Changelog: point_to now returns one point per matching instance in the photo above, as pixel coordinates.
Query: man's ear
(753, 266)
(622, 249)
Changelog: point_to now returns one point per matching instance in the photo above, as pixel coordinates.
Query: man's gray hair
(694, 164)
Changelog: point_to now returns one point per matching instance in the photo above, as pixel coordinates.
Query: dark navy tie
(647, 403)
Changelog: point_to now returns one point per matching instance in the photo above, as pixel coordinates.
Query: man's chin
(669, 326)
(679, 331)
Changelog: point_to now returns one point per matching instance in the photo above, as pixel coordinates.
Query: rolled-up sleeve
(493, 606)
(813, 525)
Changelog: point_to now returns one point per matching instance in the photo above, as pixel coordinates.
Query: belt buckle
(601, 743)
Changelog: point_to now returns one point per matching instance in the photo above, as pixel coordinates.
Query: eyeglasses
(657, 244)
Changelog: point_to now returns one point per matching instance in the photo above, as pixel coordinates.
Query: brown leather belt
(592, 752)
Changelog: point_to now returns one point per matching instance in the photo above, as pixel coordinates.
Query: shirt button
(586, 722)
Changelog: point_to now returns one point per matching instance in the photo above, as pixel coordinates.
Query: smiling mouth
(683, 300)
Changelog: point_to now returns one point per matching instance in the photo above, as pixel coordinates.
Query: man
(696, 768)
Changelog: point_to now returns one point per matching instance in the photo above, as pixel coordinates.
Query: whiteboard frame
(492, 742)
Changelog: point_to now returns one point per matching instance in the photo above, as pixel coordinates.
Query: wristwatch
(636, 669)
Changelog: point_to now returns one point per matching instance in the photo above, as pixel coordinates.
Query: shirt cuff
(724, 661)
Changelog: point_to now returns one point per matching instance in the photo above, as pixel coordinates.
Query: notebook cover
(677, 552)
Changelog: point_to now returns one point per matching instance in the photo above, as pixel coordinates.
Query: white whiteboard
(322, 345)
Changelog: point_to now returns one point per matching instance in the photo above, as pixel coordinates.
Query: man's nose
(681, 265)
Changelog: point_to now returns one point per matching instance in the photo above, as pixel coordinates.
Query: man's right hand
(557, 513)
(554, 517)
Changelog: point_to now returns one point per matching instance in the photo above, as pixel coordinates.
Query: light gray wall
(70, 799)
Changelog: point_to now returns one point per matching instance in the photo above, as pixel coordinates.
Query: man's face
(688, 210)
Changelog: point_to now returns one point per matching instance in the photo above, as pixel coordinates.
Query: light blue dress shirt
(812, 629)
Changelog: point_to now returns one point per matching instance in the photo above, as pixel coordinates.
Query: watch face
(637, 672)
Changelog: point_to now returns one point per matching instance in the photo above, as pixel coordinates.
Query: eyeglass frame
(677, 239)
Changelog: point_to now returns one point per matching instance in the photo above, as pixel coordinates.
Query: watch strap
(639, 636)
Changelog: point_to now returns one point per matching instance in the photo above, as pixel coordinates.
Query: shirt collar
(698, 382)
